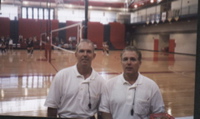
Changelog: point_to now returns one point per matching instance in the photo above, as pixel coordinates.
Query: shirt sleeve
(104, 104)
(157, 104)
(55, 91)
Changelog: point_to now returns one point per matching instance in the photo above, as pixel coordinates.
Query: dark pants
(93, 117)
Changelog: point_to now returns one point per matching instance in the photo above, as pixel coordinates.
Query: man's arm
(105, 115)
(51, 112)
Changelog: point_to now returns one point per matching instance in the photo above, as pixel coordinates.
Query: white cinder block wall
(184, 33)
(185, 43)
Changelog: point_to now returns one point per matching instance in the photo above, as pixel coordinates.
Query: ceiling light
(25, 2)
(109, 8)
(159, 1)
(152, 1)
(135, 6)
(70, 6)
(90, 7)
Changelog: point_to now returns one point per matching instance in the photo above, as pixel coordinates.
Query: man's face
(85, 54)
(130, 62)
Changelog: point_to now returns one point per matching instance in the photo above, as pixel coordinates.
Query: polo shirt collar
(90, 78)
(139, 80)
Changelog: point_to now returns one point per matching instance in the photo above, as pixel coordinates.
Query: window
(46, 14)
(30, 13)
(35, 13)
(24, 12)
(9, 11)
(40, 13)
(51, 13)
(70, 14)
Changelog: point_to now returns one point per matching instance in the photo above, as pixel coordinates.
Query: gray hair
(132, 48)
(86, 41)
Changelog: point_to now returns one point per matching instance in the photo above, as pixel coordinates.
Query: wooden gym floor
(25, 79)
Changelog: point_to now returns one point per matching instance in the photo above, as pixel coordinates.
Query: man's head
(85, 53)
(131, 60)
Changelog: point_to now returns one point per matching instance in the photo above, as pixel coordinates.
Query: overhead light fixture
(159, 1)
(70, 6)
(90, 7)
(152, 1)
(135, 6)
(109, 8)
(25, 2)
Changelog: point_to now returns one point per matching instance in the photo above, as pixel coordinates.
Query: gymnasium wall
(4, 27)
(71, 32)
(62, 33)
(95, 33)
(14, 30)
(117, 35)
(183, 32)
(145, 41)
(30, 27)
(185, 43)
(34, 28)
(54, 25)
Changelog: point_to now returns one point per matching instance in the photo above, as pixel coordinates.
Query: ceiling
(102, 4)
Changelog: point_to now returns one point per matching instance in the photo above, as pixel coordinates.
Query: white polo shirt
(119, 97)
(70, 93)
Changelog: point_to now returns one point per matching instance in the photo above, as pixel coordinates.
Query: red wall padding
(54, 25)
(117, 35)
(31, 28)
(4, 27)
(95, 33)
(71, 32)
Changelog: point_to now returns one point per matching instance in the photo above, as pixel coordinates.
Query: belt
(92, 117)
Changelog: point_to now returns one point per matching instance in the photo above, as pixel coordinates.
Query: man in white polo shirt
(131, 95)
(75, 91)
